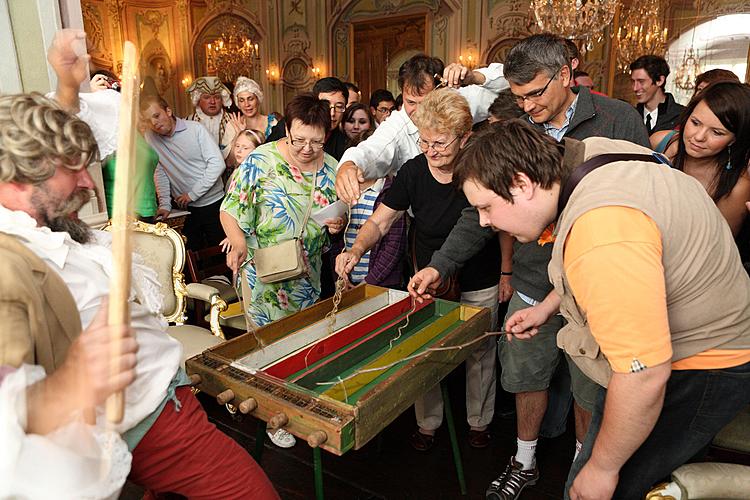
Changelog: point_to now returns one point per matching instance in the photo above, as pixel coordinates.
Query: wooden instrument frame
(346, 426)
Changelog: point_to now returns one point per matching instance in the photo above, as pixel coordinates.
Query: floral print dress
(269, 199)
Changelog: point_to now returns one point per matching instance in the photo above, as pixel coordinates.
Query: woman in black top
(425, 184)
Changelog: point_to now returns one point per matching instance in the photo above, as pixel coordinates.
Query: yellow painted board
(400, 351)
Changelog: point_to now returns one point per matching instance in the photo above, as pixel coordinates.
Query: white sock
(526, 453)
(579, 445)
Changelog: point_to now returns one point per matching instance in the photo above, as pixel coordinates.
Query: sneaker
(282, 438)
(512, 481)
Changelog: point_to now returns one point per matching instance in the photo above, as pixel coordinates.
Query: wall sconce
(186, 81)
(272, 73)
(467, 61)
(316, 72)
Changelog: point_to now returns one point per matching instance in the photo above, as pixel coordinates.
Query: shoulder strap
(309, 206)
(664, 143)
(598, 161)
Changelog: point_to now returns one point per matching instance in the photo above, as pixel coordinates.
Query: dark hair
(654, 65)
(543, 53)
(310, 110)
(419, 72)
(104, 72)
(578, 73)
(730, 102)
(572, 48)
(716, 75)
(147, 100)
(351, 86)
(379, 96)
(496, 154)
(356, 107)
(505, 107)
(330, 85)
(399, 101)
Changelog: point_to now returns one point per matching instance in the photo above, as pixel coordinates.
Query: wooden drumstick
(317, 438)
(122, 210)
(225, 397)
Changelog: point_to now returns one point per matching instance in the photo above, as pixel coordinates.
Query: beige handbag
(285, 260)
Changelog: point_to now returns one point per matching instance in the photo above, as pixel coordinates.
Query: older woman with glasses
(267, 202)
(425, 184)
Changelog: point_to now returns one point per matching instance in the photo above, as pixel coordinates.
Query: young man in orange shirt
(650, 283)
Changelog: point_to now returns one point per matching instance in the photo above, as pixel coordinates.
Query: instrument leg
(454, 440)
(318, 471)
(260, 438)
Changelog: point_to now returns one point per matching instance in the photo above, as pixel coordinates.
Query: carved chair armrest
(210, 295)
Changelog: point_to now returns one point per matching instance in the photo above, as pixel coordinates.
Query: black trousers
(202, 227)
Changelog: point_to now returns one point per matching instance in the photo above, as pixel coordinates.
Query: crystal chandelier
(583, 20)
(688, 70)
(233, 54)
(642, 32)
(690, 67)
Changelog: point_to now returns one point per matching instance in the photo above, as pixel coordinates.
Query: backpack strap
(599, 161)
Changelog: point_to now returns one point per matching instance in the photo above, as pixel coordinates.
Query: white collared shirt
(86, 270)
(654, 115)
(394, 141)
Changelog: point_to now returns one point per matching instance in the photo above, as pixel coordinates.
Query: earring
(728, 166)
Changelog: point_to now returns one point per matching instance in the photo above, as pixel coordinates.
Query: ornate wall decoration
(95, 40)
(156, 65)
(295, 73)
(154, 19)
(114, 7)
(500, 50)
(342, 35)
(222, 4)
(723, 7)
(296, 41)
(296, 7)
(388, 6)
(440, 25)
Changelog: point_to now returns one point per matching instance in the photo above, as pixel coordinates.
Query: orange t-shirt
(626, 306)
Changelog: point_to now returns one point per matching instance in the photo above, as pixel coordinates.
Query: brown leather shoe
(421, 442)
(479, 439)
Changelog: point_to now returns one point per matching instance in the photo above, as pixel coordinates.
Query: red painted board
(346, 336)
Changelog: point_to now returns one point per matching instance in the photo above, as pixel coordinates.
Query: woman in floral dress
(266, 203)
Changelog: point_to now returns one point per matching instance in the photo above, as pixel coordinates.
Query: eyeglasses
(387, 110)
(520, 100)
(338, 108)
(439, 147)
(300, 143)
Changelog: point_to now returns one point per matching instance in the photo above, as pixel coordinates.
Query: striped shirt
(359, 215)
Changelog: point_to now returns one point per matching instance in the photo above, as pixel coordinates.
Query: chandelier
(233, 54)
(642, 32)
(688, 70)
(583, 20)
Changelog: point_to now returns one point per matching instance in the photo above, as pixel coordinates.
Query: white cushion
(194, 339)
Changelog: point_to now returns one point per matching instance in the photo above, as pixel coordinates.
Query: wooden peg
(248, 405)
(225, 397)
(195, 379)
(317, 438)
(278, 421)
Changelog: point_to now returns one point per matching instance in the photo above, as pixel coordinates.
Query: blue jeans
(697, 405)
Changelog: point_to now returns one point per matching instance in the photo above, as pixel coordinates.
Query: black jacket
(669, 114)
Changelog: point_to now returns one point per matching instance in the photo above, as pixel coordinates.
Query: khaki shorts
(528, 365)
